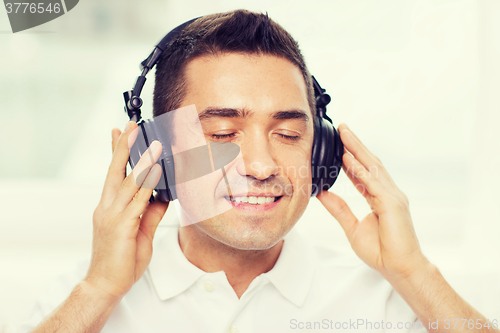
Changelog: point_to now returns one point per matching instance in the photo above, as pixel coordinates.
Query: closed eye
(289, 137)
(223, 136)
(231, 135)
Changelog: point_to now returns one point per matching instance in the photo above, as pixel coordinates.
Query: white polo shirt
(310, 289)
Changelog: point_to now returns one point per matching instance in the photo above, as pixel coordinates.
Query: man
(246, 270)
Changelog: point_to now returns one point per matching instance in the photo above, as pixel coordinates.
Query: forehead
(259, 83)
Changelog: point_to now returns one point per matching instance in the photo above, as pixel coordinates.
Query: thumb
(151, 217)
(339, 210)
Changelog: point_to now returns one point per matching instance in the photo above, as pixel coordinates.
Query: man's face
(258, 102)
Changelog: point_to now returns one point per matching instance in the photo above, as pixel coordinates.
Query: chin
(245, 235)
(252, 244)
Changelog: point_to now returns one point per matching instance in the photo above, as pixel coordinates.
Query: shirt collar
(294, 270)
(169, 269)
(171, 272)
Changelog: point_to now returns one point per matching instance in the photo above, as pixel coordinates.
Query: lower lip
(252, 207)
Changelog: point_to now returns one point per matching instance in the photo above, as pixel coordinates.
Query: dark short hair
(239, 31)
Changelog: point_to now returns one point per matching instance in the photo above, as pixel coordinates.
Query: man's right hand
(124, 220)
(124, 226)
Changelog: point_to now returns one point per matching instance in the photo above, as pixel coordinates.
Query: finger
(356, 182)
(356, 169)
(151, 217)
(361, 189)
(147, 160)
(344, 126)
(140, 200)
(339, 210)
(115, 135)
(118, 166)
(357, 148)
(139, 175)
(371, 162)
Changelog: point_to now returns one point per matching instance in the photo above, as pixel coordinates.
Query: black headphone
(327, 149)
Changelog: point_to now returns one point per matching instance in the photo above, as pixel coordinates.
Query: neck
(241, 266)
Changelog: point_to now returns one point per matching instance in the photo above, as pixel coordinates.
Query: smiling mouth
(253, 200)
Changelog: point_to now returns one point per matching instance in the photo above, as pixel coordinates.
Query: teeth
(254, 200)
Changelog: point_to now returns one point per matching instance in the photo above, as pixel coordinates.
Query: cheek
(303, 180)
(297, 168)
(197, 199)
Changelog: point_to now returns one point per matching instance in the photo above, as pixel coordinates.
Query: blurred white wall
(418, 81)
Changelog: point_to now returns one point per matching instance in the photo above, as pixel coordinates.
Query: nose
(257, 159)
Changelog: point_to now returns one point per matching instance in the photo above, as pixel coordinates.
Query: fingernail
(127, 127)
(154, 145)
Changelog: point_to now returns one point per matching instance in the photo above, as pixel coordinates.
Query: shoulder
(330, 261)
(331, 273)
(345, 284)
(346, 269)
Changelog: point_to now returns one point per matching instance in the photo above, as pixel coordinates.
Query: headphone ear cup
(326, 159)
(316, 156)
(336, 161)
(147, 134)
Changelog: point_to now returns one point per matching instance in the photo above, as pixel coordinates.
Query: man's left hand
(384, 239)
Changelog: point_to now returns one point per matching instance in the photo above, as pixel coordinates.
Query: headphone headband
(133, 101)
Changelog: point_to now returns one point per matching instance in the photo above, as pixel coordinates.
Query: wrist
(98, 293)
(421, 278)
(420, 270)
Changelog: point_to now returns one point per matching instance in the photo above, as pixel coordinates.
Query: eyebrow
(291, 114)
(243, 113)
